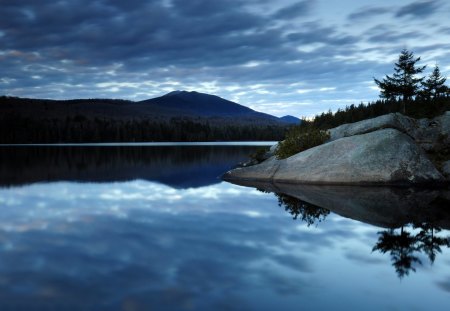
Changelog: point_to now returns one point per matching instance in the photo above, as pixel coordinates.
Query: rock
(446, 169)
(257, 157)
(430, 134)
(273, 149)
(396, 121)
(434, 134)
(383, 157)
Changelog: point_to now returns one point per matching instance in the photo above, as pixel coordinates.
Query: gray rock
(430, 134)
(396, 121)
(434, 134)
(273, 149)
(446, 169)
(386, 157)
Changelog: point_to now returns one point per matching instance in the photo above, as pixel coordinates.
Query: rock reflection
(413, 218)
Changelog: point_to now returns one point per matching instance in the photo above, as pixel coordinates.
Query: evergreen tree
(434, 86)
(403, 84)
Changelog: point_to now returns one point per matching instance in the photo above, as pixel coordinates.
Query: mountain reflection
(413, 217)
(175, 166)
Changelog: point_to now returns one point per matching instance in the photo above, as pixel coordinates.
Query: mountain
(290, 119)
(172, 105)
(176, 116)
(201, 104)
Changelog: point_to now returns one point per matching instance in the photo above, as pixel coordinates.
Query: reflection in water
(110, 244)
(309, 213)
(175, 166)
(403, 246)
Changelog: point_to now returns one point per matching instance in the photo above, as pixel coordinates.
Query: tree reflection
(174, 166)
(404, 246)
(429, 243)
(309, 213)
(417, 240)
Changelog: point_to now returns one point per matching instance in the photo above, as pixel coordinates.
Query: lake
(152, 227)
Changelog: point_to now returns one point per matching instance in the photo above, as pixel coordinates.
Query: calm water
(153, 228)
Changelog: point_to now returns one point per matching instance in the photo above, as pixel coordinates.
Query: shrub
(300, 138)
(260, 154)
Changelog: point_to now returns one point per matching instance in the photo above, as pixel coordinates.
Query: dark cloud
(364, 259)
(393, 36)
(205, 7)
(298, 9)
(419, 8)
(368, 12)
(67, 47)
(148, 35)
(314, 33)
(444, 285)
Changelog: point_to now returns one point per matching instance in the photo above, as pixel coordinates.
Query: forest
(80, 129)
(405, 91)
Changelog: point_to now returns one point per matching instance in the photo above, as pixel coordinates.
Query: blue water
(155, 229)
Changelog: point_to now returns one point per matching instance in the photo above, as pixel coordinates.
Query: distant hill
(183, 103)
(176, 116)
(291, 119)
(172, 105)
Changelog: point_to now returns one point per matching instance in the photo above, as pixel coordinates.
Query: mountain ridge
(203, 104)
(177, 116)
(173, 104)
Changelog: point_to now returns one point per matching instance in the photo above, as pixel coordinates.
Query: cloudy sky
(276, 56)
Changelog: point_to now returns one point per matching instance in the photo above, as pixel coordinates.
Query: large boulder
(430, 134)
(386, 157)
(396, 121)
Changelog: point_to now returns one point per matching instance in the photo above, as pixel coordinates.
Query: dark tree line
(406, 84)
(80, 129)
(404, 91)
(417, 108)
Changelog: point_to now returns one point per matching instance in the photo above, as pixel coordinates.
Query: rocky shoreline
(388, 150)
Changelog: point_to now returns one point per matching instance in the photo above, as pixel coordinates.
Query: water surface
(153, 228)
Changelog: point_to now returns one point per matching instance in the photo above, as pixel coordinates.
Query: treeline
(17, 129)
(405, 91)
(415, 108)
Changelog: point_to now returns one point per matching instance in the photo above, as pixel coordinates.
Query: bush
(260, 155)
(300, 138)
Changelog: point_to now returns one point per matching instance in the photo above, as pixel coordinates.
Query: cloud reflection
(132, 246)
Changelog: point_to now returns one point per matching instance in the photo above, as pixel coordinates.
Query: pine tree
(434, 86)
(403, 84)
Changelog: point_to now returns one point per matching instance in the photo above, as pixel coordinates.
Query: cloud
(73, 46)
(368, 12)
(298, 9)
(419, 9)
(151, 251)
(391, 36)
(444, 285)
